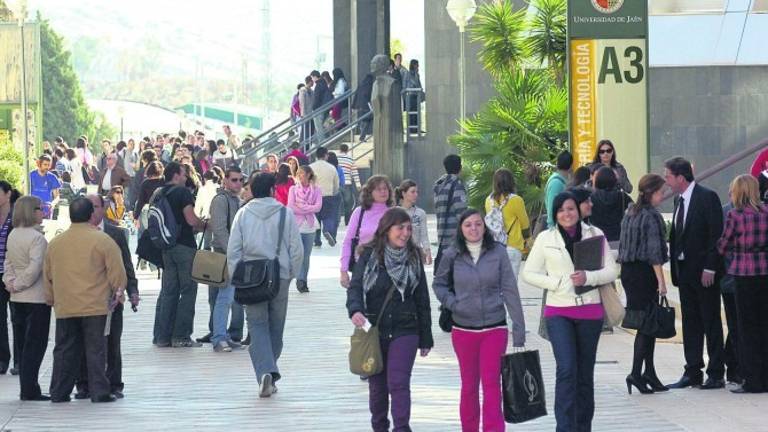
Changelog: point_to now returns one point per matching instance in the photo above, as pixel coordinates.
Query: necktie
(680, 222)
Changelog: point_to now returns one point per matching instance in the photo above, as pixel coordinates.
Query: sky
(229, 30)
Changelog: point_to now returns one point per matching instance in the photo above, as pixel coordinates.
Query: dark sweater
(608, 208)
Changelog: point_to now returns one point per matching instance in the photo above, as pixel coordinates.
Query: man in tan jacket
(84, 278)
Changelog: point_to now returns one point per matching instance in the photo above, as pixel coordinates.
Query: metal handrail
(297, 125)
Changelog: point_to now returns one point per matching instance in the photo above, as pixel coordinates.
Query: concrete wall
(442, 90)
(706, 114)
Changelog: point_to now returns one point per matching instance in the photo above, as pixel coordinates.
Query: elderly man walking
(84, 279)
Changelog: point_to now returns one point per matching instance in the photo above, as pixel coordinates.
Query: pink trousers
(479, 354)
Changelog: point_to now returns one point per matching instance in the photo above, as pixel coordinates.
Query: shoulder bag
(614, 310)
(257, 281)
(365, 357)
(446, 316)
(355, 240)
(209, 267)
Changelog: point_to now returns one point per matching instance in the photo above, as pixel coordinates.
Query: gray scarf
(401, 270)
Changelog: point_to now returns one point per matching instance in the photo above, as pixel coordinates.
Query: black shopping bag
(522, 387)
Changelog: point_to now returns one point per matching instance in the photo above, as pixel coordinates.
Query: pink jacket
(305, 209)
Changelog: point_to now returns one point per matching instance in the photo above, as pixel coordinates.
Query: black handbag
(659, 320)
(633, 319)
(257, 281)
(522, 387)
(446, 316)
(355, 240)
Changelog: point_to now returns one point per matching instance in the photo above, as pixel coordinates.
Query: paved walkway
(171, 389)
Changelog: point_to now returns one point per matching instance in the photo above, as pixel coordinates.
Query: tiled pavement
(175, 389)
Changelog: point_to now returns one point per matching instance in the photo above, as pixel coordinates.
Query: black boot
(653, 381)
(639, 382)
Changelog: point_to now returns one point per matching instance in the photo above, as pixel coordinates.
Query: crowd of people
(294, 205)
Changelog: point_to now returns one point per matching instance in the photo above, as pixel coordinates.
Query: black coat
(119, 235)
(403, 316)
(321, 94)
(363, 96)
(703, 227)
(608, 208)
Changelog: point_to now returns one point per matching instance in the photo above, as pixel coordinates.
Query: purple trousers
(395, 382)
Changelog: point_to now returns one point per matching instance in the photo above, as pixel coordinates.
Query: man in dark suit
(114, 355)
(321, 95)
(697, 223)
(113, 175)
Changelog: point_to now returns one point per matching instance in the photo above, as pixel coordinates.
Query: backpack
(494, 220)
(162, 226)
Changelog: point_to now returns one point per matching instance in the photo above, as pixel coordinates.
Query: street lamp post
(19, 9)
(121, 113)
(461, 11)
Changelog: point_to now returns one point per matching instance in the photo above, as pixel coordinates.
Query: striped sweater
(347, 165)
(448, 214)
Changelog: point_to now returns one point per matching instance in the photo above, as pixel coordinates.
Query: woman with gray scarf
(392, 262)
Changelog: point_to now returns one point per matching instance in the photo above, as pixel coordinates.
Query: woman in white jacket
(574, 321)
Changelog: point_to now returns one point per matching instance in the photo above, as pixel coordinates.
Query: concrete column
(369, 35)
(342, 35)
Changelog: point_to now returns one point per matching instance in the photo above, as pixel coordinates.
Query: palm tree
(526, 124)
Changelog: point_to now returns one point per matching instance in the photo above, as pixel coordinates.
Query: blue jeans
(175, 313)
(238, 315)
(224, 299)
(328, 216)
(306, 240)
(266, 322)
(574, 343)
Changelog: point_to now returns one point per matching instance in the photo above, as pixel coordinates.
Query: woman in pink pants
(475, 281)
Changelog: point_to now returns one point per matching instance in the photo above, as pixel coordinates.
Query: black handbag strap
(280, 234)
(448, 207)
(359, 223)
(663, 301)
(202, 237)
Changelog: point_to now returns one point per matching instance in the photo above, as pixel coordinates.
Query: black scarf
(569, 241)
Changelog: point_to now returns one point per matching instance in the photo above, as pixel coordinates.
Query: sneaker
(329, 238)
(266, 386)
(186, 343)
(222, 347)
(235, 345)
(301, 286)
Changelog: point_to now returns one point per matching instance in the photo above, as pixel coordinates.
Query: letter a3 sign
(608, 88)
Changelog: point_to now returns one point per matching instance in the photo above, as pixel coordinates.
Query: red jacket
(759, 164)
(281, 191)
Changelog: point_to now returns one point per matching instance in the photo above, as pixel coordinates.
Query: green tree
(11, 163)
(396, 46)
(65, 112)
(525, 125)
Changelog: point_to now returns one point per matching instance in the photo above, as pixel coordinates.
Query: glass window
(674, 7)
(760, 6)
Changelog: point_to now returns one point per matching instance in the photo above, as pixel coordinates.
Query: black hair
(315, 74)
(232, 169)
(321, 152)
(80, 210)
(560, 199)
(283, 174)
(461, 241)
(7, 187)
(452, 164)
(263, 185)
(580, 193)
(580, 176)
(564, 160)
(680, 166)
(605, 178)
(597, 152)
(45, 157)
(171, 170)
(413, 65)
(220, 142)
(397, 54)
(212, 176)
(66, 177)
(332, 159)
(337, 75)
(80, 143)
(343, 148)
(121, 145)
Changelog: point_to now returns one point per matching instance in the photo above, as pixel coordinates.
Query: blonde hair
(745, 192)
(24, 211)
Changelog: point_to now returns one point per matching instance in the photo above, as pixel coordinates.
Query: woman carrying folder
(642, 253)
(574, 321)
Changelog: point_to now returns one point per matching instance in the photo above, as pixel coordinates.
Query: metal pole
(27, 185)
(121, 128)
(462, 90)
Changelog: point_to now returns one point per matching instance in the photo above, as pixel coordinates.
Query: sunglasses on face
(606, 151)
(236, 180)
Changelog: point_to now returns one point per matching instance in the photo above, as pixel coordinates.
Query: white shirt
(327, 177)
(106, 184)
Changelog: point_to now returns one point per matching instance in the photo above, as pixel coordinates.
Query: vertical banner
(608, 74)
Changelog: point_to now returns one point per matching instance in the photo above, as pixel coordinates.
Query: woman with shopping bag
(642, 253)
(574, 321)
(389, 291)
(475, 281)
